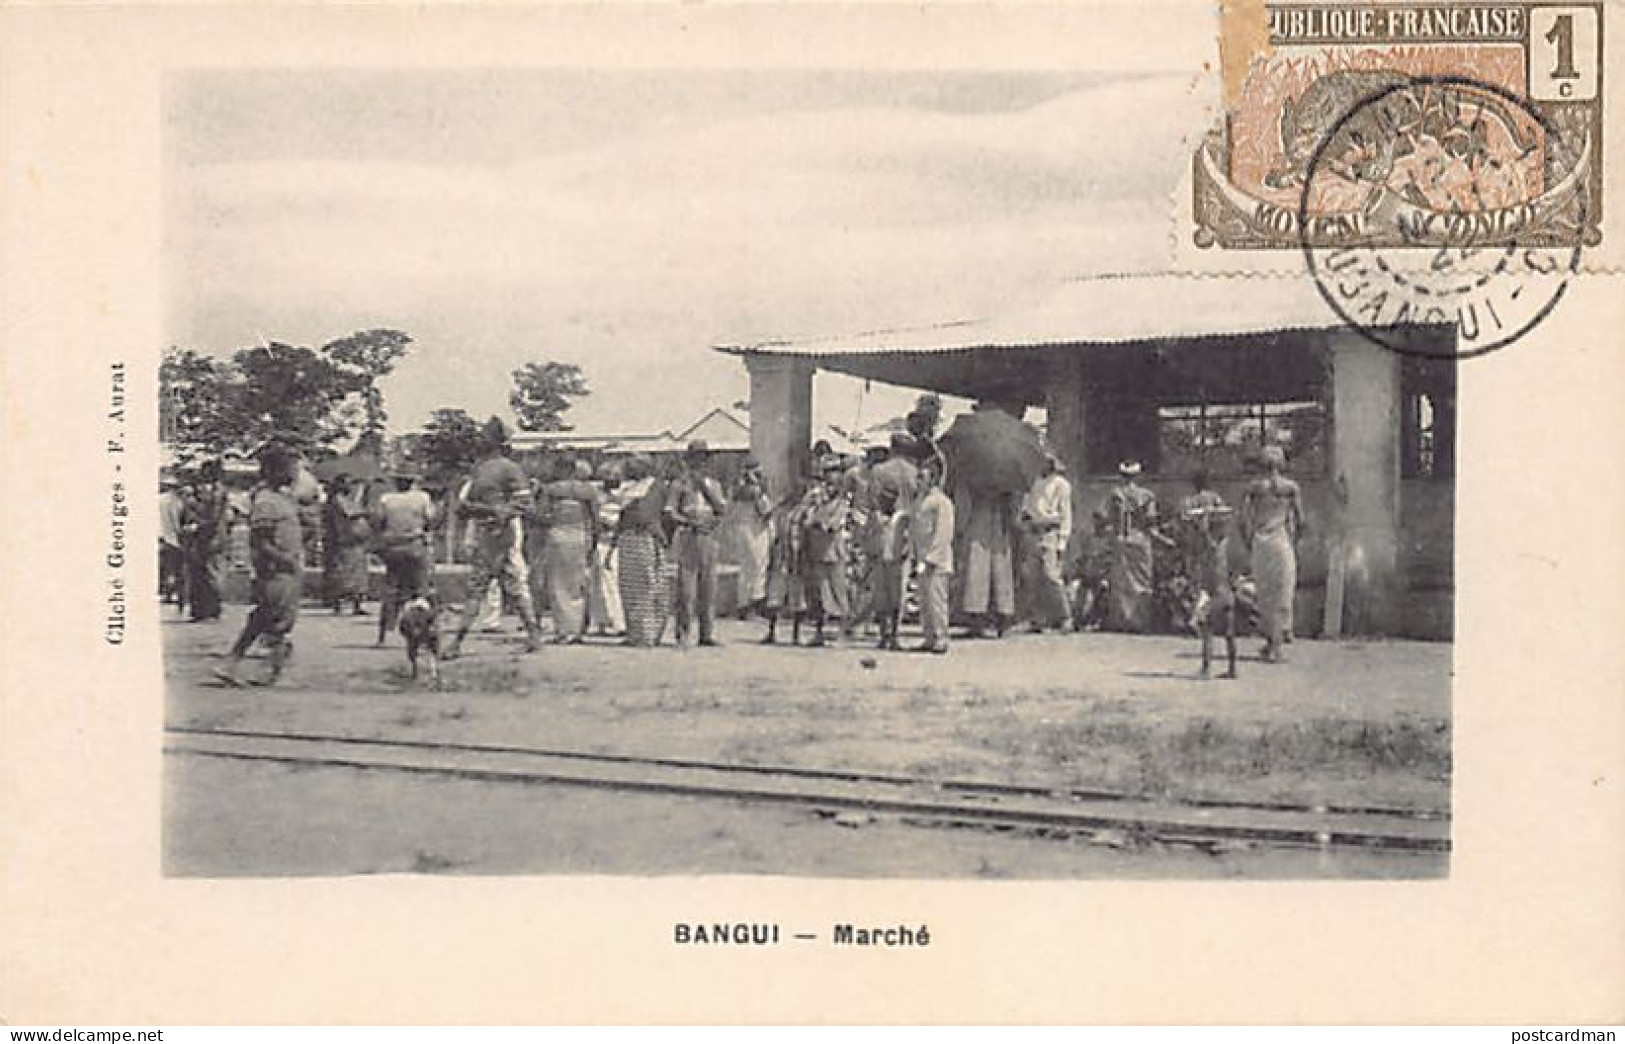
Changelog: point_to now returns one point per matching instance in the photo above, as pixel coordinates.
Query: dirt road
(1343, 723)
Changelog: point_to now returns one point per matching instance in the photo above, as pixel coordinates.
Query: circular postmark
(1438, 202)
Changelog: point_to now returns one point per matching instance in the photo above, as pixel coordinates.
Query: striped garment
(645, 587)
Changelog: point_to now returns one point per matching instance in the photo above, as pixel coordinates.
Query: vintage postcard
(813, 513)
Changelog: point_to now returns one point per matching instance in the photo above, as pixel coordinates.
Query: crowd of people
(850, 551)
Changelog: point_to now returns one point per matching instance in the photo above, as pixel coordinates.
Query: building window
(1430, 436)
(1224, 437)
(1428, 431)
(1424, 460)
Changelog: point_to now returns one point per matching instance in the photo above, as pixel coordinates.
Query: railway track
(1054, 813)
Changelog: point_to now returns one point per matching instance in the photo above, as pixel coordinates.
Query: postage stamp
(1379, 125)
(1483, 268)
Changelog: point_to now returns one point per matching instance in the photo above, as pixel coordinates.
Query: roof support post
(1363, 538)
(780, 418)
(1068, 420)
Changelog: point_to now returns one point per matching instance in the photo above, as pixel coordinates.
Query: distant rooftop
(719, 428)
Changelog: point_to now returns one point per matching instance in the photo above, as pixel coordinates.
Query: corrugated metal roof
(1099, 310)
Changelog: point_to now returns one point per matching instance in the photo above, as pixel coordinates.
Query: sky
(628, 221)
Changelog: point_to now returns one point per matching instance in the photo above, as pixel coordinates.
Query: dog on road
(420, 626)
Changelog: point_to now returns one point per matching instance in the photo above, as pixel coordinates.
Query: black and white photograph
(774, 473)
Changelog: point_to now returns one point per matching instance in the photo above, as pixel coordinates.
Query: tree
(360, 361)
(195, 411)
(288, 392)
(450, 443)
(543, 391)
(310, 398)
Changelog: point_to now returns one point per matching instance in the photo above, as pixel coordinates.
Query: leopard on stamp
(1434, 162)
(1505, 124)
(1474, 251)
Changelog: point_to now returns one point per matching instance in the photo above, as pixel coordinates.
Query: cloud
(632, 256)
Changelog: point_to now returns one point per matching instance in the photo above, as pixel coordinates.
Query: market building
(1177, 371)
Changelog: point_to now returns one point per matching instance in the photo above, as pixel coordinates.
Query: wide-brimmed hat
(1129, 468)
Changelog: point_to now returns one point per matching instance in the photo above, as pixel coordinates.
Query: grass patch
(1203, 756)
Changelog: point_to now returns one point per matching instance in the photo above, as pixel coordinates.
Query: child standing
(1204, 521)
(931, 532)
(825, 554)
(785, 593)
